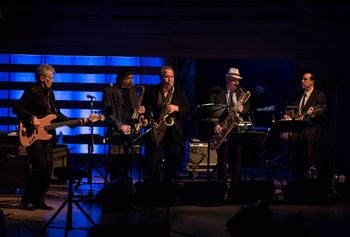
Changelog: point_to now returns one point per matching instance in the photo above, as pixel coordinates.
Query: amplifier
(14, 168)
(198, 157)
(59, 158)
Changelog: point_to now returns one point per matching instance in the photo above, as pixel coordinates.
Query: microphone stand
(90, 151)
(90, 148)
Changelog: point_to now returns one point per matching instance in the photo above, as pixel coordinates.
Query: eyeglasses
(305, 79)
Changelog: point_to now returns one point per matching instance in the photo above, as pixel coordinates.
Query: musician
(164, 155)
(36, 103)
(305, 146)
(119, 103)
(229, 153)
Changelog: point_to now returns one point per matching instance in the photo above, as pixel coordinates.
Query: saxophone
(136, 116)
(231, 120)
(165, 119)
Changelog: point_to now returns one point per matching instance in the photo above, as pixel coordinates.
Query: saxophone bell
(168, 120)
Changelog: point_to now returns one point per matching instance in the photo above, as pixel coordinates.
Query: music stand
(287, 126)
(245, 138)
(290, 126)
(208, 113)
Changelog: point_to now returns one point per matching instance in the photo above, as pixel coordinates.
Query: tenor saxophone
(136, 116)
(231, 121)
(165, 119)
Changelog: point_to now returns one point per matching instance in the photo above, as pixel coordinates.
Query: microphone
(91, 97)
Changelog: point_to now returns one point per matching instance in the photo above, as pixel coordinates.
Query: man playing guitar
(36, 103)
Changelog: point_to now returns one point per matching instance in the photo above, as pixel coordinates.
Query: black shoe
(26, 208)
(25, 205)
(43, 206)
(312, 173)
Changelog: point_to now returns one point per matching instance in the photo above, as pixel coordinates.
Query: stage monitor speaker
(253, 190)
(155, 194)
(116, 196)
(251, 219)
(198, 157)
(202, 191)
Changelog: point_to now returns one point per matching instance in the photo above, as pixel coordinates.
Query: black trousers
(164, 160)
(230, 161)
(40, 155)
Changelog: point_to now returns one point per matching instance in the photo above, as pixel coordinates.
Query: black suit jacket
(118, 111)
(34, 102)
(179, 98)
(317, 99)
(218, 96)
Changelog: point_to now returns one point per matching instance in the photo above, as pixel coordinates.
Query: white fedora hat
(233, 72)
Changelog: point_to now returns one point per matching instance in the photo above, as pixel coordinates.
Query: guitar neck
(61, 124)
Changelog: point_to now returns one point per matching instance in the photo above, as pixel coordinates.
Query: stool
(70, 174)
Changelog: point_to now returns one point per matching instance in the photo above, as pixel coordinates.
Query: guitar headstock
(95, 117)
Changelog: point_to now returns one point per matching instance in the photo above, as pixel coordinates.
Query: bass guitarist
(229, 153)
(36, 103)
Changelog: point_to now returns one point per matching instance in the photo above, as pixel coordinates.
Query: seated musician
(305, 146)
(230, 153)
(120, 103)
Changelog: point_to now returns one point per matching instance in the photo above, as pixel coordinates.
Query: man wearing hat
(229, 152)
(119, 103)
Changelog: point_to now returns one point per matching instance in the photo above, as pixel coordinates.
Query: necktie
(302, 102)
(231, 98)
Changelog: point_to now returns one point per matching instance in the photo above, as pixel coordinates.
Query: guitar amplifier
(14, 164)
(59, 158)
(198, 157)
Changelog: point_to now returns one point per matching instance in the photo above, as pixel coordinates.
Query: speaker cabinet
(198, 157)
(253, 190)
(14, 168)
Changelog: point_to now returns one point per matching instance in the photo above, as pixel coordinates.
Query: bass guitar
(29, 135)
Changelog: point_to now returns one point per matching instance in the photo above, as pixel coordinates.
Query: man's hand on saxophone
(141, 109)
(126, 129)
(172, 108)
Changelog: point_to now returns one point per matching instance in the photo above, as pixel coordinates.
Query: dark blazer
(34, 102)
(179, 98)
(317, 99)
(218, 96)
(118, 111)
